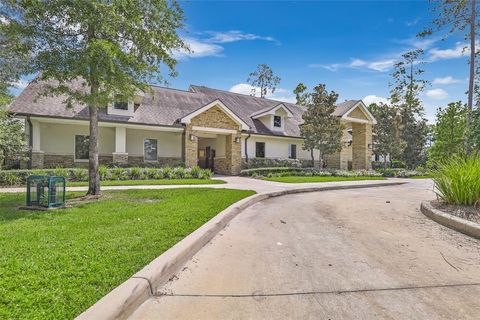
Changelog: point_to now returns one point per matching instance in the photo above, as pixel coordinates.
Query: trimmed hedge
(19, 177)
(278, 162)
(286, 171)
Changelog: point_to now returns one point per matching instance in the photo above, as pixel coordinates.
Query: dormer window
(120, 105)
(277, 121)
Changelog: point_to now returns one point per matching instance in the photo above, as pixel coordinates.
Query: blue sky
(349, 46)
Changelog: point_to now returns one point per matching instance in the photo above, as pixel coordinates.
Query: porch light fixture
(237, 139)
(192, 137)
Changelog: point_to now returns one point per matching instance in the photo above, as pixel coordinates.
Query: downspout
(246, 147)
(30, 142)
(183, 144)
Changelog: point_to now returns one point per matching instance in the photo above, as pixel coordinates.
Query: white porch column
(120, 155)
(37, 153)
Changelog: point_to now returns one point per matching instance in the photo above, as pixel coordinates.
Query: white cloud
(437, 94)
(199, 49)
(456, 52)
(445, 80)
(374, 99)
(412, 23)
(382, 65)
(280, 94)
(357, 63)
(234, 35)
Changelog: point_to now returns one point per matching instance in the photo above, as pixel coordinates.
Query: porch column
(120, 155)
(361, 146)
(233, 153)
(191, 148)
(37, 153)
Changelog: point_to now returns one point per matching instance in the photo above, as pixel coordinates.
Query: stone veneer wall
(67, 161)
(361, 153)
(215, 118)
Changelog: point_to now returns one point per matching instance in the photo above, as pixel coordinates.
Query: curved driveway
(350, 254)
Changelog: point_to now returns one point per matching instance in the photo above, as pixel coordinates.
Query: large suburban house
(202, 126)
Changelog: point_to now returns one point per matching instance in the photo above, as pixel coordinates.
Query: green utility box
(45, 191)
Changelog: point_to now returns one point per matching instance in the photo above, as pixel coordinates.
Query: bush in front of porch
(125, 175)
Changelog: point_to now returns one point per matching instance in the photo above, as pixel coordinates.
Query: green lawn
(303, 179)
(147, 182)
(55, 264)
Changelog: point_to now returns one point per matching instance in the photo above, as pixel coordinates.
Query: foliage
(459, 16)
(321, 130)
(300, 94)
(288, 171)
(312, 179)
(93, 51)
(70, 258)
(13, 145)
(405, 90)
(449, 132)
(387, 132)
(263, 79)
(473, 133)
(18, 177)
(401, 173)
(457, 180)
(277, 162)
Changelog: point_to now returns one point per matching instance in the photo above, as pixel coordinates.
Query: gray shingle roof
(164, 106)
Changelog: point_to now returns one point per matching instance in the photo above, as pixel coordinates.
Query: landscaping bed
(16, 178)
(56, 264)
(307, 179)
(471, 213)
(148, 182)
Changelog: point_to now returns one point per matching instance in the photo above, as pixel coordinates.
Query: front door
(209, 158)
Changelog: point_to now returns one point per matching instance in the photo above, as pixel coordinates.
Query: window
(81, 147)
(150, 150)
(292, 151)
(260, 149)
(277, 121)
(120, 105)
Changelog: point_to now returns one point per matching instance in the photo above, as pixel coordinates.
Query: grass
(304, 179)
(55, 264)
(147, 182)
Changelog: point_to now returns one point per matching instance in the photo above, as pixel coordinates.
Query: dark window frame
(277, 124)
(145, 156)
(259, 153)
(292, 151)
(85, 150)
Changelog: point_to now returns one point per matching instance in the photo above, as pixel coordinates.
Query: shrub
(179, 173)
(134, 173)
(457, 180)
(62, 172)
(151, 173)
(104, 172)
(80, 174)
(196, 172)
(168, 172)
(279, 162)
(205, 174)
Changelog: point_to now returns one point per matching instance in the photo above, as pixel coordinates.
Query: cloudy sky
(349, 46)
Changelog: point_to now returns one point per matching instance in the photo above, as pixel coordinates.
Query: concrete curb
(464, 226)
(128, 296)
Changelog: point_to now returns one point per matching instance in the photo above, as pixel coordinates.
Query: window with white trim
(82, 143)
(120, 105)
(277, 121)
(260, 149)
(292, 151)
(150, 150)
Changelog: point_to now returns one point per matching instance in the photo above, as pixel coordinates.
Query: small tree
(387, 138)
(13, 145)
(449, 132)
(108, 48)
(321, 129)
(264, 79)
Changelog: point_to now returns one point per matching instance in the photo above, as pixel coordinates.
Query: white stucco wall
(59, 139)
(169, 144)
(274, 147)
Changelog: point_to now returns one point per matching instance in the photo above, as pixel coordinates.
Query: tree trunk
(471, 79)
(93, 174)
(313, 158)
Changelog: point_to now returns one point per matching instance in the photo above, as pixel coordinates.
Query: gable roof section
(363, 108)
(224, 108)
(271, 111)
(166, 107)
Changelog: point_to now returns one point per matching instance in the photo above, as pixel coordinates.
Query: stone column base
(38, 159)
(120, 157)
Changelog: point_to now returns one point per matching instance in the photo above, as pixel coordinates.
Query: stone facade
(215, 118)
(67, 161)
(361, 146)
(38, 159)
(162, 161)
(119, 157)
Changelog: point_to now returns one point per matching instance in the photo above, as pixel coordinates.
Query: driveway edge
(464, 226)
(122, 301)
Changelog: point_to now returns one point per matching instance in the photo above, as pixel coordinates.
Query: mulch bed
(471, 213)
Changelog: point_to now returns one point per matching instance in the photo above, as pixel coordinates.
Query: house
(212, 128)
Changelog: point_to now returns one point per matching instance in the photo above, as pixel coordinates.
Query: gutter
(30, 141)
(246, 147)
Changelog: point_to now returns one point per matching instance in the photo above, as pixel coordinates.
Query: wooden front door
(209, 158)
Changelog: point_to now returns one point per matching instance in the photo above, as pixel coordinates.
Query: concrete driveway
(350, 254)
